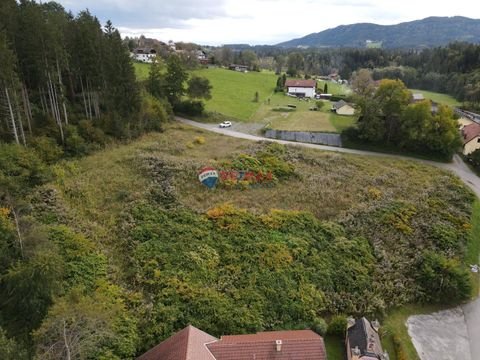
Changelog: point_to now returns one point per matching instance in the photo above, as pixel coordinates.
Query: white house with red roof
(301, 88)
(194, 344)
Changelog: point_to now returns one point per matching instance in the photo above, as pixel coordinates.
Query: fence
(306, 137)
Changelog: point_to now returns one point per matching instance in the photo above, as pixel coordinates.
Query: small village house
(417, 97)
(301, 88)
(471, 138)
(145, 55)
(194, 344)
(363, 341)
(343, 108)
(239, 68)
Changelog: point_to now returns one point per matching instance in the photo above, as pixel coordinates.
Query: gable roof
(295, 345)
(339, 104)
(363, 336)
(470, 132)
(300, 83)
(187, 344)
(418, 97)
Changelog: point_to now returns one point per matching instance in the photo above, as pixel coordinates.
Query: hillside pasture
(438, 97)
(233, 92)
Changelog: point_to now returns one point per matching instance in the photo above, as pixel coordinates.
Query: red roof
(295, 345)
(300, 83)
(187, 344)
(470, 132)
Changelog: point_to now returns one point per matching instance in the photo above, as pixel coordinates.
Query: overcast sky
(216, 22)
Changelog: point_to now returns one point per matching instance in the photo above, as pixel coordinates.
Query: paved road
(457, 166)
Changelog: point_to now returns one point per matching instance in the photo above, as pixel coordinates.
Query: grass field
(302, 118)
(233, 92)
(437, 97)
(333, 88)
(141, 70)
(335, 347)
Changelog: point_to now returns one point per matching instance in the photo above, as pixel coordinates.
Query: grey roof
(418, 97)
(365, 337)
(339, 104)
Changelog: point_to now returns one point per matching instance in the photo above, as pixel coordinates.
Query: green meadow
(437, 97)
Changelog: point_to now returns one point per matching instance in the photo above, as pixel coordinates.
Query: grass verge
(473, 245)
(335, 347)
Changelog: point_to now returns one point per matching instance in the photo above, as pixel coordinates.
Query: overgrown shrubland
(124, 247)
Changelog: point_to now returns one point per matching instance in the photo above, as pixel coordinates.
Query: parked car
(225, 124)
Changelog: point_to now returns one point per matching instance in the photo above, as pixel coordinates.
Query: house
(240, 68)
(202, 57)
(463, 121)
(363, 341)
(343, 108)
(194, 344)
(145, 55)
(471, 138)
(417, 97)
(301, 88)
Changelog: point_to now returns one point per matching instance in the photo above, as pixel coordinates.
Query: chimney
(279, 345)
(350, 322)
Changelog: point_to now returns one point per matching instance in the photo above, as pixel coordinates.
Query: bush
(190, 107)
(199, 140)
(337, 326)
(47, 149)
(75, 145)
(320, 327)
(90, 133)
(154, 113)
(443, 280)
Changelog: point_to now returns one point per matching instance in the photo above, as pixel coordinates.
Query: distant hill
(429, 32)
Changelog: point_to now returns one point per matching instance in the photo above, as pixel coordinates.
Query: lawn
(335, 347)
(333, 88)
(437, 97)
(302, 118)
(141, 70)
(233, 92)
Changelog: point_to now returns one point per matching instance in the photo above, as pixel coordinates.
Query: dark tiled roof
(295, 345)
(300, 83)
(187, 344)
(365, 337)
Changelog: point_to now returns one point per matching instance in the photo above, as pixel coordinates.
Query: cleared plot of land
(301, 118)
(233, 92)
(437, 97)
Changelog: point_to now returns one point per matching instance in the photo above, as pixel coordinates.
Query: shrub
(320, 326)
(190, 107)
(154, 113)
(199, 140)
(90, 133)
(47, 149)
(443, 280)
(337, 326)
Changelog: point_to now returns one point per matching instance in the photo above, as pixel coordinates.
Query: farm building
(145, 55)
(240, 68)
(362, 340)
(301, 88)
(417, 97)
(343, 108)
(471, 138)
(192, 343)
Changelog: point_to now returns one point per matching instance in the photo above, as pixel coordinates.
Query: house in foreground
(301, 88)
(343, 108)
(363, 341)
(194, 344)
(471, 138)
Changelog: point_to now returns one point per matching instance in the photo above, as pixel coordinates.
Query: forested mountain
(429, 32)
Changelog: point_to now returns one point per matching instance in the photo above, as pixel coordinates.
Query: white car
(225, 124)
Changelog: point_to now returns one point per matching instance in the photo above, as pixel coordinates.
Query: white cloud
(258, 21)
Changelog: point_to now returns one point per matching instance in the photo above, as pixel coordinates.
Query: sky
(217, 22)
